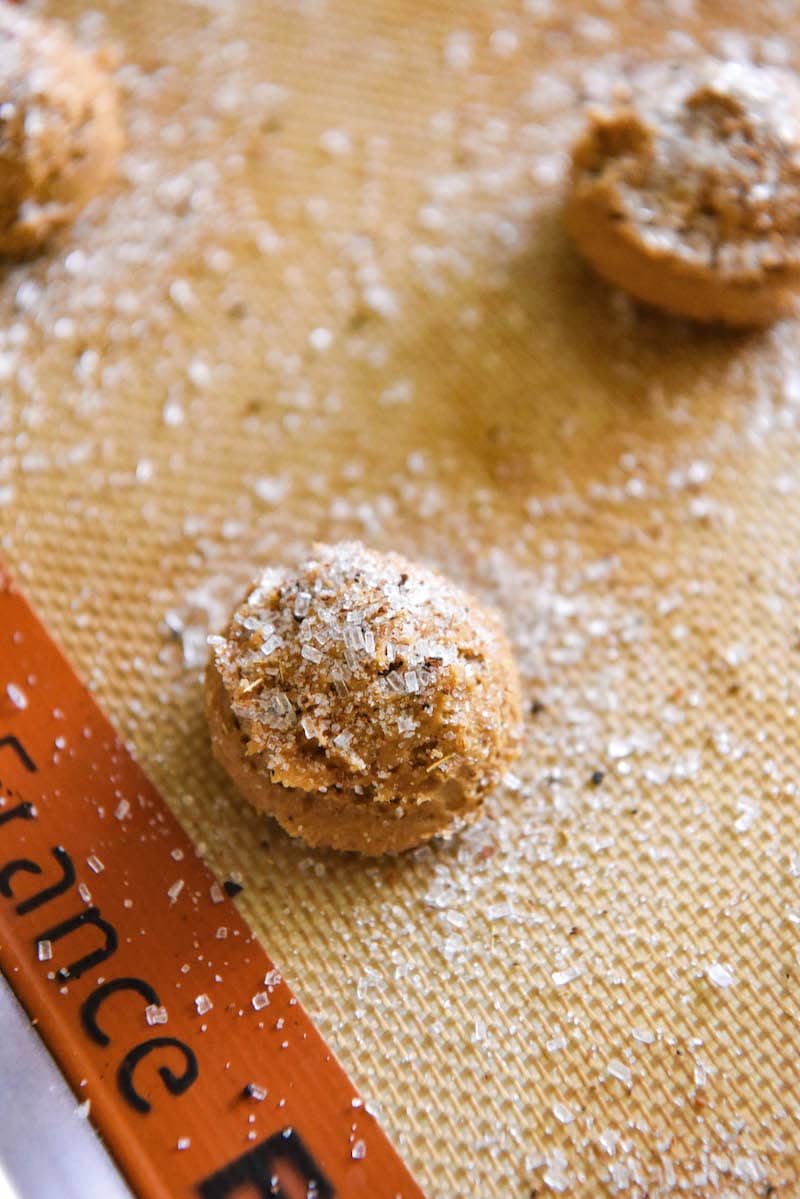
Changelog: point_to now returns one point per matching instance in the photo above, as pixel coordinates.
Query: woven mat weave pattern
(331, 296)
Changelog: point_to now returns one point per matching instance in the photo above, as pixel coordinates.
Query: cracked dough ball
(59, 130)
(364, 701)
(686, 190)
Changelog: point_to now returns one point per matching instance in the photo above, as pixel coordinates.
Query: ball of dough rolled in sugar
(685, 189)
(364, 701)
(60, 132)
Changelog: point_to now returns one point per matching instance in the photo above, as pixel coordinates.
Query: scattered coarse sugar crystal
(203, 1004)
(336, 142)
(382, 301)
(562, 1113)
(17, 696)
(194, 643)
(155, 1013)
(555, 1176)
(199, 373)
(84, 893)
(609, 1140)
(618, 1069)
(562, 978)
(183, 1143)
(272, 978)
(401, 392)
(308, 727)
(173, 413)
(254, 1091)
(222, 933)
(353, 637)
(94, 863)
(479, 1032)
(459, 50)
(719, 975)
(174, 891)
(411, 681)
(749, 810)
(453, 946)
(302, 603)
(320, 339)
(145, 470)
(503, 42)
(260, 1000)
(122, 809)
(270, 645)
(359, 1151)
(271, 489)
(216, 894)
(182, 294)
(176, 855)
(44, 950)
(311, 653)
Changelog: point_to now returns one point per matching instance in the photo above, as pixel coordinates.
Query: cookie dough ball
(364, 701)
(59, 130)
(686, 190)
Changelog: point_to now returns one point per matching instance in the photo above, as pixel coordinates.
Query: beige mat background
(331, 296)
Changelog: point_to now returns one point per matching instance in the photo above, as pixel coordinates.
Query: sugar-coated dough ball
(363, 700)
(60, 132)
(685, 190)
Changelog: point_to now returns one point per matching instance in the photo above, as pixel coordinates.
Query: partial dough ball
(364, 701)
(685, 190)
(60, 133)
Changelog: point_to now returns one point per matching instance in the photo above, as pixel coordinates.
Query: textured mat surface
(330, 296)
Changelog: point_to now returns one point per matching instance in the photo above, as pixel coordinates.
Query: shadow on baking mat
(548, 372)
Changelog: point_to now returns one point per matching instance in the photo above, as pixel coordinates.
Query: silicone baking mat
(331, 296)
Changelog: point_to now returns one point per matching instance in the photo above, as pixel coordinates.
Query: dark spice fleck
(536, 707)
(597, 777)
(231, 888)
